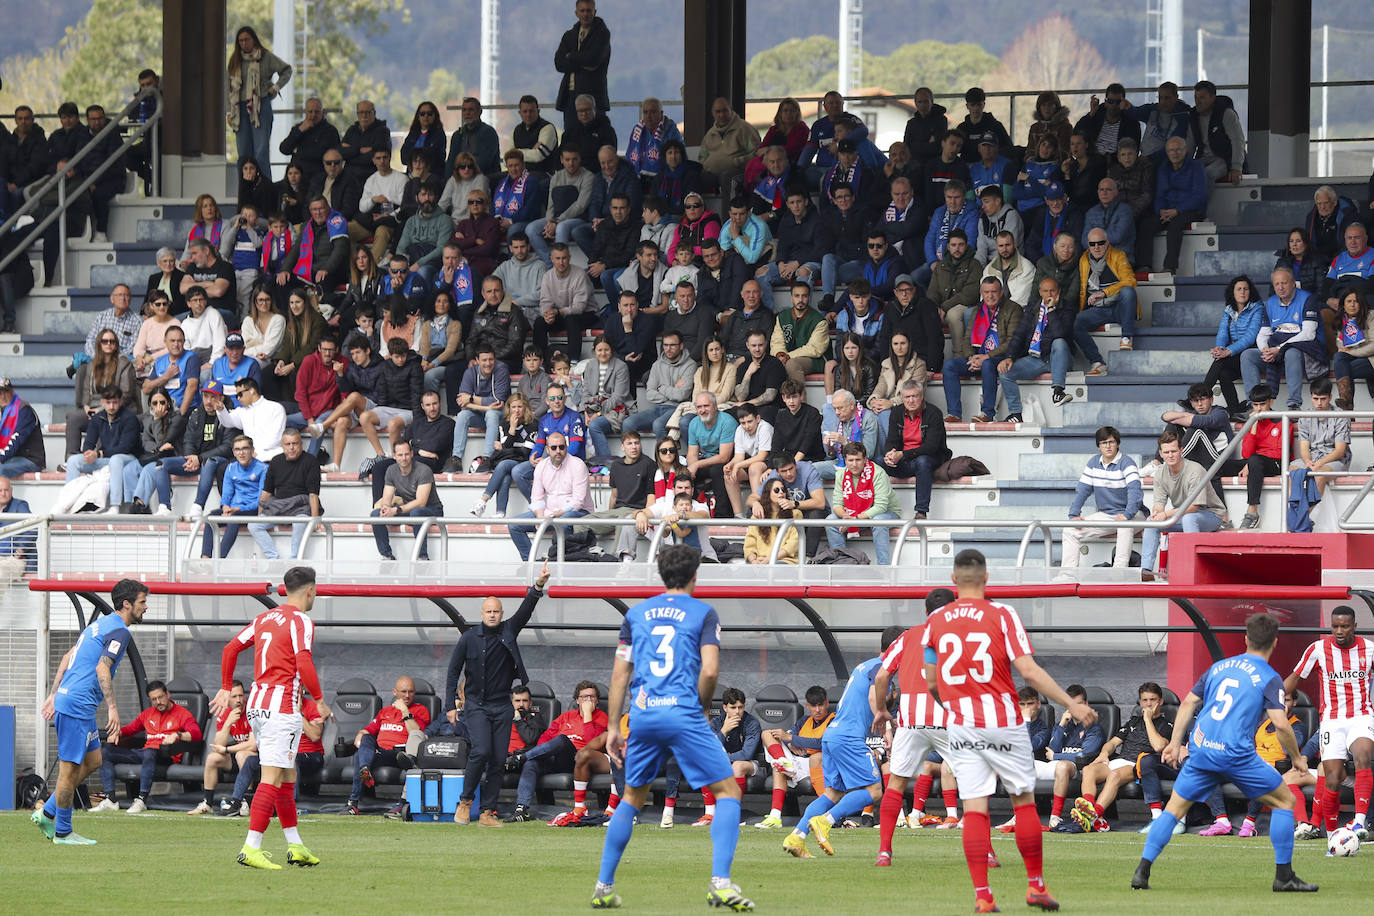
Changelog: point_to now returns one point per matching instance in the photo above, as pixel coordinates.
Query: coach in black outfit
(492, 658)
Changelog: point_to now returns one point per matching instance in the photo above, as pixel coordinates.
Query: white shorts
(1339, 734)
(911, 746)
(1044, 769)
(386, 414)
(278, 735)
(1117, 763)
(980, 756)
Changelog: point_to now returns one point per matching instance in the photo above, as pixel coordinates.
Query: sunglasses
(397, 270)
(109, 340)
(555, 397)
(333, 162)
(466, 166)
(878, 247)
(667, 451)
(475, 203)
(1114, 101)
(557, 448)
(1096, 244)
(691, 206)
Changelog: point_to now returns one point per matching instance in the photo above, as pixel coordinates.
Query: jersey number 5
(663, 665)
(979, 666)
(1221, 704)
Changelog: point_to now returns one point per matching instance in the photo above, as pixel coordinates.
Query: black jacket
(347, 193)
(467, 654)
(28, 160)
(503, 329)
(400, 386)
(799, 432)
(805, 241)
(921, 324)
(846, 230)
(614, 246)
(720, 294)
(586, 139)
(355, 139)
(923, 135)
(205, 436)
(436, 145)
(932, 435)
(1090, 125)
(307, 148)
(583, 68)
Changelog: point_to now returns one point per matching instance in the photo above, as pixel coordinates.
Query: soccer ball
(1343, 842)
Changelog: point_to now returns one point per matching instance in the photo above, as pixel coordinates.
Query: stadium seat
(776, 706)
(188, 692)
(355, 703)
(605, 691)
(426, 697)
(1306, 712)
(717, 702)
(1108, 714)
(542, 696)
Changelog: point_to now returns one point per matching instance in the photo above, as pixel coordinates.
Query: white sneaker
(330, 468)
(314, 430)
(197, 510)
(109, 510)
(106, 804)
(100, 238)
(785, 766)
(201, 808)
(498, 513)
(479, 507)
(243, 809)
(162, 509)
(137, 806)
(666, 821)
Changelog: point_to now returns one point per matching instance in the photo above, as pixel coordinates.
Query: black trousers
(488, 726)
(1261, 466)
(1226, 371)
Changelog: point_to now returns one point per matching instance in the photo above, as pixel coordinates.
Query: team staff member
(492, 659)
(383, 740)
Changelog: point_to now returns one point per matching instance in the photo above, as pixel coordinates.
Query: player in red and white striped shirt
(282, 666)
(971, 645)
(1347, 725)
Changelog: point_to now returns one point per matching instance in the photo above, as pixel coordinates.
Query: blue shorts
(1200, 776)
(847, 763)
(75, 737)
(686, 735)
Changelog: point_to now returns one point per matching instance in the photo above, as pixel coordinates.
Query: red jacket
(389, 728)
(1265, 438)
(317, 388)
(176, 719)
(578, 732)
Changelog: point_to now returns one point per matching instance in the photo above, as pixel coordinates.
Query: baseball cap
(214, 386)
(1054, 191)
(986, 137)
(5, 383)
(903, 278)
(235, 339)
(847, 146)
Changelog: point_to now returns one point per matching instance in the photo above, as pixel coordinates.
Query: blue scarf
(9, 421)
(771, 189)
(1044, 319)
(670, 185)
(510, 196)
(646, 147)
(1351, 333)
(984, 333)
(461, 287)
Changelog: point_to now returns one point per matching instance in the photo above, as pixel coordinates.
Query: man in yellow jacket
(1106, 294)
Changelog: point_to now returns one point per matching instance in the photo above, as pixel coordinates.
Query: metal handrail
(59, 179)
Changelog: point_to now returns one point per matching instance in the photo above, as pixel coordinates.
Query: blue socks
(851, 803)
(618, 836)
(50, 807)
(1281, 836)
(63, 822)
(1162, 830)
(724, 835)
(821, 805)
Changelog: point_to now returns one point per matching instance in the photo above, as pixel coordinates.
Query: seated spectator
(1308, 268)
(320, 254)
(166, 279)
(1106, 294)
(758, 539)
(403, 295)
(1323, 442)
(261, 419)
(1104, 125)
(1045, 329)
(241, 247)
(604, 399)
(753, 442)
(439, 340)
(425, 139)
(797, 428)
(304, 328)
(820, 145)
(902, 222)
(678, 178)
(690, 319)
(769, 197)
(758, 378)
(985, 341)
(1354, 347)
(293, 194)
(430, 435)
(291, 487)
(992, 168)
(1262, 450)
(1237, 332)
(558, 419)
(570, 193)
(1049, 222)
(803, 242)
(1352, 268)
(317, 390)
(166, 726)
(902, 364)
(478, 234)
(203, 328)
(644, 279)
(1113, 481)
(177, 372)
(565, 303)
(648, 139)
(231, 748)
(698, 223)
(862, 491)
(396, 400)
(994, 218)
(112, 181)
(263, 330)
(1072, 746)
(915, 444)
(788, 132)
(632, 481)
(1016, 273)
(684, 267)
(163, 430)
(1290, 338)
(536, 138)
(1204, 432)
(518, 430)
(1062, 265)
(673, 508)
(213, 274)
(979, 121)
(357, 387)
(854, 371)
(150, 344)
(586, 129)
(726, 148)
(108, 367)
(559, 490)
(1174, 481)
(1039, 173)
(710, 443)
(852, 171)
(744, 233)
(1144, 735)
(804, 494)
(424, 234)
(1216, 129)
(241, 494)
(631, 336)
(558, 746)
(1180, 197)
(409, 491)
(364, 290)
(739, 733)
(613, 246)
(112, 437)
(1083, 169)
(669, 382)
(715, 374)
(477, 402)
(383, 741)
(846, 225)
(207, 225)
(1111, 214)
(955, 213)
(739, 323)
(1134, 175)
(845, 421)
(457, 277)
(519, 197)
(658, 224)
(801, 337)
(1327, 221)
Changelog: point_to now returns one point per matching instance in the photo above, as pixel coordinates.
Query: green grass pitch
(162, 861)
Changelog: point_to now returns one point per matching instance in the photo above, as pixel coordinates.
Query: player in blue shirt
(85, 676)
(670, 646)
(1239, 693)
(852, 780)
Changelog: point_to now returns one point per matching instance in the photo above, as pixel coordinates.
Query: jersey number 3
(663, 665)
(979, 666)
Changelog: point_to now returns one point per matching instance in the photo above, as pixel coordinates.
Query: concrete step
(171, 232)
(107, 275)
(1203, 316)
(29, 366)
(1158, 362)
(1056, 466)
(1257, 264)
(1242, 238)
(1201, 237)
(1276, 213)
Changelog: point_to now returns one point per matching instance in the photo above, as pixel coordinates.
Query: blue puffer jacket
(1238, 332)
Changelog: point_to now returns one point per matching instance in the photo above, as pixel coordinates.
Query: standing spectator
(862, 491)
(473, 135)
(1045, 329)
(1161, 122)
(651, 133)
(1239, 328)
(1113, 481)
(112, 181)
(426, 139)
(166, 725)
(583, 57)
(560, 490)
(801, 337)
(1106, 294)
(241, 247)
(518, 430)
(926, 127)
(1354, 347)
(979, 121)
(727, 147)
(1323, 442)
(1219, 141)
(242, 494)
(797, 428)
(1104, 125)
(291, 487)
(256, 76)
(109, 367)
(570, 193)
(362, 138)
(1175, 481)
(409, 491)
(21, 435)
(710, 446)
(1289, 339)
(112, 438)
(985, 340)
(382, 741)
(587, 130)
(1180, 197)
(915, 444)
(310, 139)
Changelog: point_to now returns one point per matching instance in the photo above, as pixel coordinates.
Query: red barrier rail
(155, 587)
(365, 590)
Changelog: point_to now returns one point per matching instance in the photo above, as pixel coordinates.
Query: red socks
(977, 845)
(1318, 803)
(887, 819)
(779, 798)
(921, 792)
(613, 802)
(579, 798)
(741, 781)
(951, 802)
(1299, 803)
(1057, 808)
(286, 804)
(1364, 784)
(264, 803)
(1331, 809)
(774, 751)
(707, 796)
(1029, 843)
